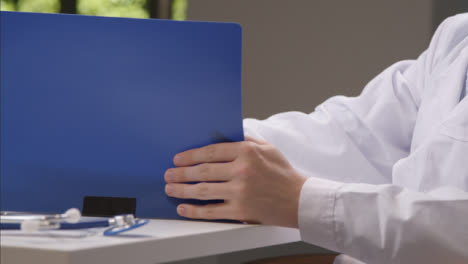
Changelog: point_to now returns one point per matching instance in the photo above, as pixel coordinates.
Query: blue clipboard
(94, 106)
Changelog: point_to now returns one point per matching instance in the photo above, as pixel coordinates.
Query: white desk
(159, 241)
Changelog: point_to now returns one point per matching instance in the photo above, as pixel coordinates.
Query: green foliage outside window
(7, 6)
(179, 9)
(115, 8)
(39, 6)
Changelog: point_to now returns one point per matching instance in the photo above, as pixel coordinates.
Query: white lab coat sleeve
(385, 223)
(370, 132)
(355, 130)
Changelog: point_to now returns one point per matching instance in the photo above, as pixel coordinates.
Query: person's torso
(439, 148)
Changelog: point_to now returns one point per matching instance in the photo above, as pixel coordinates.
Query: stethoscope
(71, 219)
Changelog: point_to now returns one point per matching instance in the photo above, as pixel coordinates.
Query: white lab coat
(388, 170)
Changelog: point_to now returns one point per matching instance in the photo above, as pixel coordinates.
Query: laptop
(93, 109)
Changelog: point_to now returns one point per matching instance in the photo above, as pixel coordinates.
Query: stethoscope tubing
(68, 221)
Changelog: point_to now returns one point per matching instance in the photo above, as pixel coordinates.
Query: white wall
(298, 53)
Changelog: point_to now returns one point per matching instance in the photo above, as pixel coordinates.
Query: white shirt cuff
(317, 212)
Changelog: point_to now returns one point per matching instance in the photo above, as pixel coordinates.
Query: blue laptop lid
(94, 106)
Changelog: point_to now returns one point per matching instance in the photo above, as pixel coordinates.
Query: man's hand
(253, 178)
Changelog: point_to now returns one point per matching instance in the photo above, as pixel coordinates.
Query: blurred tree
(68, 6)
(169, 9)
(6, 5)
(159, 8)
(115, 8)
(39, 6)
(179, 9)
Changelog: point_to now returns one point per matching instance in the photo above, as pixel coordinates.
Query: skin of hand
(256, 182)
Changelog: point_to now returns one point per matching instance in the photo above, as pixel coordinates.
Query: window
(169, 9)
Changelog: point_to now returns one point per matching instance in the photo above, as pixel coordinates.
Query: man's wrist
(316, 214)
(298, 189)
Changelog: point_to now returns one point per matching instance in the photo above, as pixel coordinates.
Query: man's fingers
(222, 152)
(199, 191)
(205, 172)
(209, 212)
